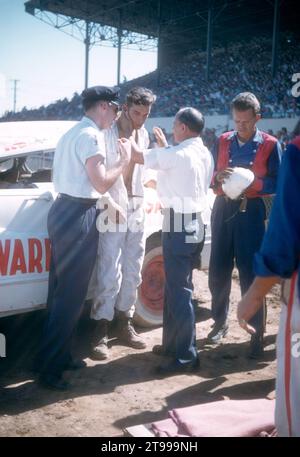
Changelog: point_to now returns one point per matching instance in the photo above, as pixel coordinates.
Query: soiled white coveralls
(121, 248)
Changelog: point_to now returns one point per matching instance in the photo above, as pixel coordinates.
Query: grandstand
(182, 77)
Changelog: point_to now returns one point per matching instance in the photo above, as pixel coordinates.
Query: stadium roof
(178, 22)
(174, 27)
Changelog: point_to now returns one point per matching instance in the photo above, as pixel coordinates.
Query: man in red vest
(238, 225)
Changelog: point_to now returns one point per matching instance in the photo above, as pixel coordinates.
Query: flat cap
(96, 93)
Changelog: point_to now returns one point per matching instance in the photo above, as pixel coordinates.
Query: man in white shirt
(121, 248)
(80, 177)
(183, 178)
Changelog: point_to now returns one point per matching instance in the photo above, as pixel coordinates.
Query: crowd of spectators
(236, 68)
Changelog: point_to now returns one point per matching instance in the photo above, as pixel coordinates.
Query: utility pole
(15, 81)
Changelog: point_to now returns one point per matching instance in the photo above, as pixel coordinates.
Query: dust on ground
(107, 397)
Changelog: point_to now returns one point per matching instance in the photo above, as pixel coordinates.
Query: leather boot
(256, 349)
(127, 333)
(100, 340)
(218, 332)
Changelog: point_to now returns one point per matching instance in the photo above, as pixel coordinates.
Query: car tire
(150, 300)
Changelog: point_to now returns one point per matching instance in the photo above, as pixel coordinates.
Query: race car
(26, 195)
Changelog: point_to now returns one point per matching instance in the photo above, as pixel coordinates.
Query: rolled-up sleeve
(150, 159)
(161, 158)
(89, 145)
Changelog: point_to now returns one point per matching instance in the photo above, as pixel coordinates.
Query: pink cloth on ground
(222, 418)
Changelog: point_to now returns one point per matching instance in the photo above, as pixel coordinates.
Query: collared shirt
(280, 251)
(82, 141)
(244, 155)
(184, 174)
(118, 190)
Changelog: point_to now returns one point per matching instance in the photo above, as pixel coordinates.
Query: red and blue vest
(259, 165)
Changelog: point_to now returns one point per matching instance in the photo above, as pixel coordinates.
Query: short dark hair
(192, 118)
(140, 96)
(245, 101)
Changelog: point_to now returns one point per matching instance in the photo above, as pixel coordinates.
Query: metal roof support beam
(209, 38)
(158, 41)
(275, 38)
(120, 33)
(87, 42)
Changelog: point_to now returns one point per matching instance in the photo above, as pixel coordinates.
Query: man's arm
(280, 251)
(267, 184)
(137, 155)
(103, 179)
(219, 176)
(253, 299)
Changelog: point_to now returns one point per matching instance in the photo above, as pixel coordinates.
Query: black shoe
(76, 365)
(218, 332)
(256, 349)
(158, 349)
(54, 382)
(176, 367)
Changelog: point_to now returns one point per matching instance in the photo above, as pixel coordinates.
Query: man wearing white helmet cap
(238, 215)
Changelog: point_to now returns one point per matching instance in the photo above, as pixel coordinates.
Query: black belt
(170, 211)
(86, 201)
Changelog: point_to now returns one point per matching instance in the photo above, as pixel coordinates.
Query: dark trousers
(179, 331)
(236, 236)
(74, 240)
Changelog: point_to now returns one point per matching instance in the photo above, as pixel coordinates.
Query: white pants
(287, 412)
(118, 271)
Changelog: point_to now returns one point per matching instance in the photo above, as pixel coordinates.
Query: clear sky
(50, 64)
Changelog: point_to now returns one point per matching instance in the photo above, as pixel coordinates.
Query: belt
(167, 211)
(135, 196)
(85, 201)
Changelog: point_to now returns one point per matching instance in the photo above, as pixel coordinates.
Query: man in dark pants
(183, 178)
(80, 177)
(238, 226)
(181, 251)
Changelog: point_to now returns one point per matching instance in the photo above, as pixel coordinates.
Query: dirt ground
(107, 397)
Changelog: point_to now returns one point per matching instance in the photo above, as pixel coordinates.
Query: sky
(50, 64)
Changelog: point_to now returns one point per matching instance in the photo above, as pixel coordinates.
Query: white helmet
(237, 182)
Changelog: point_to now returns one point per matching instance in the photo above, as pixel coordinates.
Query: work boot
(127, 334)
(100, 340)
(218, 332)
(176, 367)
(256, 348)
(158, 349)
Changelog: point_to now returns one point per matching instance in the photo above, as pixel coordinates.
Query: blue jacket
(280, 251)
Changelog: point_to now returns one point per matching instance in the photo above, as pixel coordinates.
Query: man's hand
(115, 213)
(136, 152)
(223, 175)
(160, 137)
(253, 300)
(124, 147)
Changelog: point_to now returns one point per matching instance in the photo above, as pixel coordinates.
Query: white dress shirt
(82, 141)
(184, 174)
